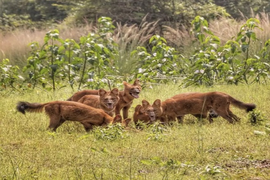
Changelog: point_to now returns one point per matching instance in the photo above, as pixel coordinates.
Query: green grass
(194, 150)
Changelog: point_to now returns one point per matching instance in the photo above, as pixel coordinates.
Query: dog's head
(213, 113)
(157, 107)
(145, 111)
(149, 110)
(133, 90)
(109, 99)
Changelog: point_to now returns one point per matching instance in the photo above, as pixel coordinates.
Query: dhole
(199, 104)
(61, 111)
(212, 114)
(144, 113)
(126, 96)
(105, 100)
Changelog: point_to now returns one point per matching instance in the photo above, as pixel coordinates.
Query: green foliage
(213, 171)
(256, 117)
(36, 67)
(9, 75)
(13, 22)
(159, 63)
(231, 62)
(98, 53)
(45, 63)
(111, 133)
(92, 62)
(156, 131)
(244, 8)
(87, 62)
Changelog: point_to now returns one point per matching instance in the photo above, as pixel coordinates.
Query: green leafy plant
(231, 62)
(98, 52)
(53, 57)
(256, 117)
(9, 75)
(111, 133)
(35, 67)
(71, 50)
(214, 171)
(160, 63)
(156, 131)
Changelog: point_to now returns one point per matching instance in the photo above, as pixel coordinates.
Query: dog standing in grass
(199, 104)
(106, 100)
(61, 111)
(130, 92)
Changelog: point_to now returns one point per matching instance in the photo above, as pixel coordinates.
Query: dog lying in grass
(199, 104)
(130, 92)
(61, 111)
(144, 113)
(106, 100)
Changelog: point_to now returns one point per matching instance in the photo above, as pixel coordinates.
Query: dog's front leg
(125, 111)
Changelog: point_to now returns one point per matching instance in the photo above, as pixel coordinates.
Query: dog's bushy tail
(247, 106)
(23, 106)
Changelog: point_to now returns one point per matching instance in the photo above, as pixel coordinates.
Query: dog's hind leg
(225, 115)
(55, 122)
(234, 117)
(87, 126)
(55, 118)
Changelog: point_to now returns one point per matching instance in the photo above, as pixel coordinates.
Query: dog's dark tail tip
(21, 107)
(251, 107)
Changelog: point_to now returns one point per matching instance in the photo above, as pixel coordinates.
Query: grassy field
(194, 150)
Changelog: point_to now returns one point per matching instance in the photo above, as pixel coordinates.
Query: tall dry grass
(15, 45)
(224, 28)
(128, 39)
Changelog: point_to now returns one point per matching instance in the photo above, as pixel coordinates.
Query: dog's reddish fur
(199, 104)
(61, 111)
(212, 114)
(130, 92)
(106, 100)
(144, 113)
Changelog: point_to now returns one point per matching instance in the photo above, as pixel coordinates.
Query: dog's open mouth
(135, 94)
(110, 106)
(152, 118)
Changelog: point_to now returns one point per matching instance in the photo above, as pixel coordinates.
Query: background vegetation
(156, 41)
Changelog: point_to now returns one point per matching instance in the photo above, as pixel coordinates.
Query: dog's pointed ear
(115, 91)
(137, 82)
(101, 92)
(157, 103)
(142, 110)
(126, 84)
(137, 108)
(145, 103)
